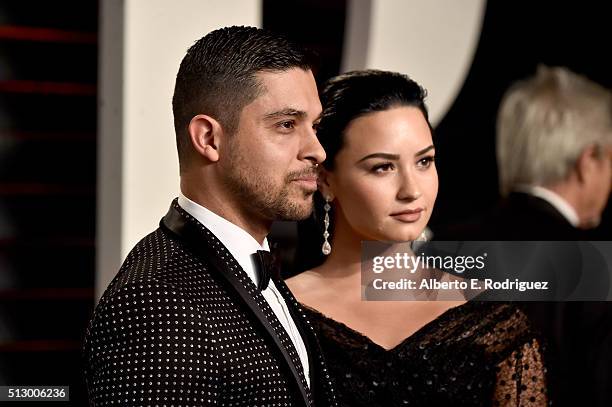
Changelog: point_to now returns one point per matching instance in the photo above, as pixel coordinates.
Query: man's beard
(263, 197)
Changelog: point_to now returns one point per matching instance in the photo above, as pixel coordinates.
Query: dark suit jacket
(520, 216)
(182, 324)
(577, 335)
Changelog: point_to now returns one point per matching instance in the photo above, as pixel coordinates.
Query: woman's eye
(425, 162)
(383, 167)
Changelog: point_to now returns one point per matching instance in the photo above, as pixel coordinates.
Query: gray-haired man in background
(554, 154)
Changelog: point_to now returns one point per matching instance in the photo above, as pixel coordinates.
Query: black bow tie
(266, 267)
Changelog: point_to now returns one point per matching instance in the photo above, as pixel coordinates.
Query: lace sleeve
(521, 378)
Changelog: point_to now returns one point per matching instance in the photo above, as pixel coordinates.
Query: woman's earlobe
(325, 191)
(323, 176)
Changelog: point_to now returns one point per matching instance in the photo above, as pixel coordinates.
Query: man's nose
(312, 149)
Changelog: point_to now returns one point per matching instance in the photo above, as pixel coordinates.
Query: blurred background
(87, 157)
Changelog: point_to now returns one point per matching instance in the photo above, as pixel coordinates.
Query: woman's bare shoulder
(306, 284)
(304, 280)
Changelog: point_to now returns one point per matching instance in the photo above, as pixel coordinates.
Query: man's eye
(425, 162)
(287, 125)
(383, 167)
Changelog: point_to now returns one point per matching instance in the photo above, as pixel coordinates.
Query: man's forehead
(292, 92)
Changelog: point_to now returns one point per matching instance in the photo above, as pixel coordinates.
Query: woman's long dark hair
(345, 98)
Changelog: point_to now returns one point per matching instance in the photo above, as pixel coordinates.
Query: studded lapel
(204, 243)
(323, 394)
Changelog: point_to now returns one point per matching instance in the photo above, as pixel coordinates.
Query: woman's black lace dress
(477, 354)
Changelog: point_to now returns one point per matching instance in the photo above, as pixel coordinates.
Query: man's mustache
(305, 173)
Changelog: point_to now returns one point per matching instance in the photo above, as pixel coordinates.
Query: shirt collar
(237, 240)
(556, 200)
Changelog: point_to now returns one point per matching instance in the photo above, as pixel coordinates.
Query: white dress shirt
(556, 200)
(242, 245)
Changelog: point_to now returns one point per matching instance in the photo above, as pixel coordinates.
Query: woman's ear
(324, 185)
(205, 134)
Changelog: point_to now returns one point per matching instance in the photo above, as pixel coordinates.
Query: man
(554, 152)
(192, 318)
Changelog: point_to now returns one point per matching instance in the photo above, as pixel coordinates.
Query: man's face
(269, 162)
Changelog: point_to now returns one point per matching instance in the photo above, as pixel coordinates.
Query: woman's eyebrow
(387, 156)
(423, 151)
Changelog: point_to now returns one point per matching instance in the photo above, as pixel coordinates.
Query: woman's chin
(393, 232)
(402, 236)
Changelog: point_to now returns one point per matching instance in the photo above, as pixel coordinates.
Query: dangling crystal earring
(425, 236)
(326, 249)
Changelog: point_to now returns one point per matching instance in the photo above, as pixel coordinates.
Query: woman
(380, 183)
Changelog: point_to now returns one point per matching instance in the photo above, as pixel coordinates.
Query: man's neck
(557, 196)
(227, 208)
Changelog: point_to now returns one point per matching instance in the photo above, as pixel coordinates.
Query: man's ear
(205, 134)
(586, 163)
(324, 183)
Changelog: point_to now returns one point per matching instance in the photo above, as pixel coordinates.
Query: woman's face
(384, 180)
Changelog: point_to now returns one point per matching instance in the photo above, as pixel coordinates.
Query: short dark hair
(217, 76)
(354, 94)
